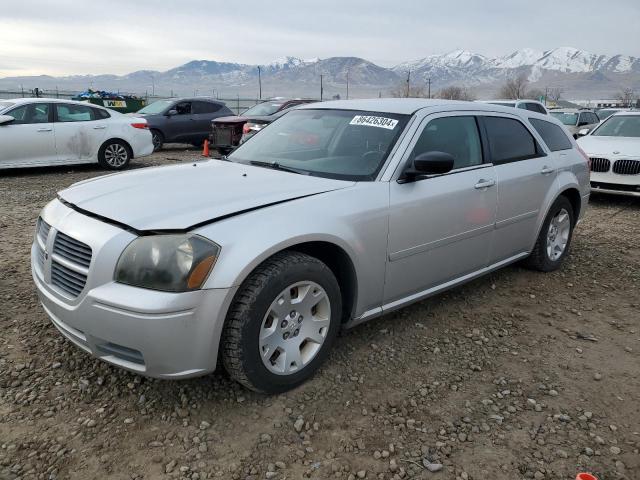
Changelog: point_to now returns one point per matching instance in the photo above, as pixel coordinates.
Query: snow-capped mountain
(564, 66)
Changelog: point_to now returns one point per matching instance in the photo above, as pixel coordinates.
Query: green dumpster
(124, 105)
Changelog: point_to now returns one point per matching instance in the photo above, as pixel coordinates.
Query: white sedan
(43, 131)
(614, 150)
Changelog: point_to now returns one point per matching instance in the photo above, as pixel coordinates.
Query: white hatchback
(42, 131)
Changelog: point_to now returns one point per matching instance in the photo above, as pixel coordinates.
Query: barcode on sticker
(369, 121)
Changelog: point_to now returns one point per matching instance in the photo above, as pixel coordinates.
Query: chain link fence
(236, 104)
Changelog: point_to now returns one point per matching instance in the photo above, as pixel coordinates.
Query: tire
(246, 336)
(115, 155)
(158, 139)
(548, 253)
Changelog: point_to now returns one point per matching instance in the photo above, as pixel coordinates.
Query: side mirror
(430, 163)
(583, 131)
(6, 119)
(171, 112)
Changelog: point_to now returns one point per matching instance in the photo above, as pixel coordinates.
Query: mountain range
(579, 73)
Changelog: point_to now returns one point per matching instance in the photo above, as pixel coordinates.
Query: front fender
(354, 219)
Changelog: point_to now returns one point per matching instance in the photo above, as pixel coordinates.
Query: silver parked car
(335, 214)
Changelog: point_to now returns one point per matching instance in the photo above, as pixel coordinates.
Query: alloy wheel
(558, 235)
(116, 155)
(294, 328)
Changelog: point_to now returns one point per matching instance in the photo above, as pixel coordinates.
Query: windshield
(566, 118)
(341, 144)
(156, 107)
(605, 113)
(619, 126)
(265, 108)
(5, 105)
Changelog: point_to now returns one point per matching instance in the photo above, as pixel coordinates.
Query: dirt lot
(517, 375)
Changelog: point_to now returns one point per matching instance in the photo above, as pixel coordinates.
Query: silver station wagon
(334, 214)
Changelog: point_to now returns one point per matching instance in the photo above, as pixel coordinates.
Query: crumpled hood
(605, 146)
(178, 197)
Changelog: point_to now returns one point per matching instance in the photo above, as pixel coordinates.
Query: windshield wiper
(277, 166)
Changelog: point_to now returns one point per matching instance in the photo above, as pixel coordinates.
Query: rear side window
(100, 114)
(553, 135)
(534, 107)
(206, 107)
(74, 113)
(457, 136)
(509, 140)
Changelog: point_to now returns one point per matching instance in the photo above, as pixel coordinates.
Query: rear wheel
(282, 323)
(553, 242)
(158, 140)
(114, 155)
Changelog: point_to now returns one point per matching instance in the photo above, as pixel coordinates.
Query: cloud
(68, 37)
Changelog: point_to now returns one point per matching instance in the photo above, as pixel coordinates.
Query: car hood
(232, 119)
(622, 146)
(180, 197)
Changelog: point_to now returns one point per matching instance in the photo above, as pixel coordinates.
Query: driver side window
(457, 136)
(30, 113)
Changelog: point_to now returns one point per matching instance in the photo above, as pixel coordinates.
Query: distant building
(604, 103)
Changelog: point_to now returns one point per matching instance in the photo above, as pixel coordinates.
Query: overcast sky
(60, 37)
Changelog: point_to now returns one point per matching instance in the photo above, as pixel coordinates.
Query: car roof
(623, 113)
(406, 106)
(409, 106)
(569, 110)
(191, 99)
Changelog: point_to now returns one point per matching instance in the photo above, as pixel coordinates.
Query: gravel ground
(517, 375)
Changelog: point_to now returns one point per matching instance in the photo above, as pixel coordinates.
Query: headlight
(171, 263)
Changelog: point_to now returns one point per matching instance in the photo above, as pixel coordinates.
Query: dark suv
(182, 120)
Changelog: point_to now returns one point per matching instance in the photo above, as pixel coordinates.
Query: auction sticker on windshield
(368, 121)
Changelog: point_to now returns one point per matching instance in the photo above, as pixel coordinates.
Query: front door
(29, 139)
(181, 127)
(525, 175)
(440, 227)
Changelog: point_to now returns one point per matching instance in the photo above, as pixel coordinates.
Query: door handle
(484, 184)
(45, 129)
(546, 170)
(99, 127)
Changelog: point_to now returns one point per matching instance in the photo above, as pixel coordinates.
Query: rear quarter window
(553, 135)
(509, 140)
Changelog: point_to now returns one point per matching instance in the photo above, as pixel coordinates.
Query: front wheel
(158, 140)
(282, 323)
(553, 242)
(114, 155)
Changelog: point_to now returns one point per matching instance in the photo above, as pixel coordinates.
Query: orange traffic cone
(586, 476)
(205, 149)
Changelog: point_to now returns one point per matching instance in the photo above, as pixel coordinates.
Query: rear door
(440, 227)
(30, 139)
(525, 174)
(203, 113)
(79, 132)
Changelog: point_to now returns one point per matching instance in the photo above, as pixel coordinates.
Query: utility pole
(429, 84)
(321, 88)
(408, 82)
(153, 86)
(347, 84)
(259, 84)
(546, 94)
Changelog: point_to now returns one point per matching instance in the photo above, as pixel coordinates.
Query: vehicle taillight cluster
(586, 157)
(141, 125)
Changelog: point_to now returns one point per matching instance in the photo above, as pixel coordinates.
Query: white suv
(532, 105)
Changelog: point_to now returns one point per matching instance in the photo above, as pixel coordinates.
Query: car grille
(600, 165)
(72, 250)
(70, 264)
(626, 167)
(224, 136)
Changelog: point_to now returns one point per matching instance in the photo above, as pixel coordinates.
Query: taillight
(246, 128)
(252, 127)
(586, 157)
(142, 125)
